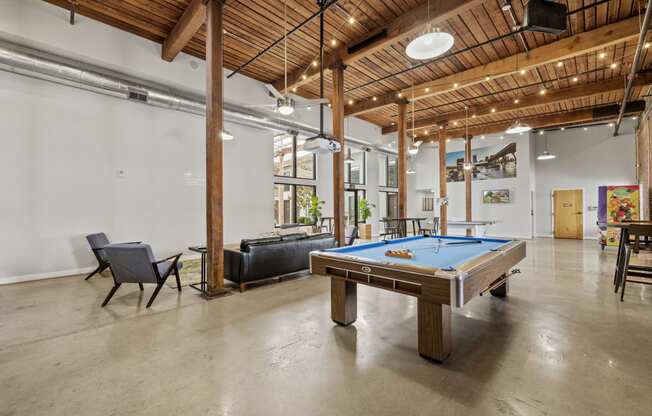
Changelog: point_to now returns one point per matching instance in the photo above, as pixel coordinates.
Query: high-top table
(402, 221)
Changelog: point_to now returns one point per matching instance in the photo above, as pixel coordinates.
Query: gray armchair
(135, 263)
(97, 242)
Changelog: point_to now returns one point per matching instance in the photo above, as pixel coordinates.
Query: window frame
(363, 172)
(294, 164)
(387, 171)
(294, 208)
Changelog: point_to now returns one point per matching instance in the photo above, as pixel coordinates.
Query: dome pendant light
(518, 127)
(467, 157)
(429, 44)
(546, 155)
(285, 105)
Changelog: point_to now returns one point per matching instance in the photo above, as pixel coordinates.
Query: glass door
(351, 206)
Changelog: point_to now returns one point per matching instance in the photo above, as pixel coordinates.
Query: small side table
(201, 286)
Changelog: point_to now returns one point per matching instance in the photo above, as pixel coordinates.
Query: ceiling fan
(285, 104)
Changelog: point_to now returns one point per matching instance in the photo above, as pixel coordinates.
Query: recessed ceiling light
(493, 110)
(351, 20)
(481, 137)
(304, 76)
(585, 129)
(294, 89)
(427, 89)
(454, 123)
(542, 92)
(574, 79)
(613, 65)
(425, 132)
(522, 71)
(634, 118)
(487, 78)
(374, 98)
(611, 124)
(516, 101)
(456, 85)
(333, 42)
(314, 63)
(647, 45)
(540, 132)
(473, 116)
(560, 64)
(350, 102)
(399, 95)
(563, 128)
(448, 140)
(602, 55)
(393, 124)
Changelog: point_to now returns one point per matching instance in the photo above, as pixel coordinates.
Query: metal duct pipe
(61, 70)
(635, 64)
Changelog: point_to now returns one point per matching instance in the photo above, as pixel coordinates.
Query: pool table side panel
(482, 272)
(438, 289)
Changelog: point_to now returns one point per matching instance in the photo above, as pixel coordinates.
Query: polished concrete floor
(561, 344)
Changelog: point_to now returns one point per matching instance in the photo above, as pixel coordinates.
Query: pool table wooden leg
(502, 290)
(344, 301)
(434, 330)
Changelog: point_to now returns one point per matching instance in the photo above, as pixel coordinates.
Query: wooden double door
(568, 213)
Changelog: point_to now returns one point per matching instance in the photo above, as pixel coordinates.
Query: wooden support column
(468, 178)
(443, 191)
(338, 158)
(402, 159)
(214, 155)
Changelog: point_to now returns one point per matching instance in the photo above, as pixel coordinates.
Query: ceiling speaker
(545, 16)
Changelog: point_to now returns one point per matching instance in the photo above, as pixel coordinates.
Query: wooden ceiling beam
(189, 23)
(405, 25)
(529, 101)
(602, 113)
(565, 48)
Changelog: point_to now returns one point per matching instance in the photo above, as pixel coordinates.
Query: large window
(388, 171)
(291, 203)
(355, 166)
(290, 160)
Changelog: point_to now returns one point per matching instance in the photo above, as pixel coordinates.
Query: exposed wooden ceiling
(483, 39)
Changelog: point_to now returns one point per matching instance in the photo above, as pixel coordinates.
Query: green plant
(315, 208)
(365, 209)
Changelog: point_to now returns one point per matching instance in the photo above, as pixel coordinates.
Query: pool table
(444, 272)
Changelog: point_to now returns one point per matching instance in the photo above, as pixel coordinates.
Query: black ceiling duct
(545, 16)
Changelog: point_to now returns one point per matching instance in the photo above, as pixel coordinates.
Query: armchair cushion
(131, 263)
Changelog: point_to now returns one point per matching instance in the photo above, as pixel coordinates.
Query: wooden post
(338, 158)
(402, 159)
(468, 177)
(443, 192)
(214, 155)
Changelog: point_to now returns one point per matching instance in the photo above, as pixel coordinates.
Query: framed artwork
(496, 196)
(491, 162)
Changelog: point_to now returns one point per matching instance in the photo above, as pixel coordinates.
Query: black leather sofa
(268, 257)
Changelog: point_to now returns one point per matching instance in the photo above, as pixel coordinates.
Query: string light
(427, 89)
(304, 76)
(493, 110)
(602, 55)
(574, 79)
(516, 101)
(314, 63)
(647, 45)
(522, 71)
(560, 64)
(542, 92)
(613, 65)
(350, 102)
(351, 20)
(374, 98)
(333, 42)
(487, 78)
(456, 85)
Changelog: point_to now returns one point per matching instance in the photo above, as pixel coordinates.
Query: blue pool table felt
(430, 251)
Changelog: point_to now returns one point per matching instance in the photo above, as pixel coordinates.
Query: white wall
(585, 160)
(514, 219)
(63, 149)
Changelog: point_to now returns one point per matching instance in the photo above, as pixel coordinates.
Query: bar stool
(642, 274)
(434, 230)
(391, 228)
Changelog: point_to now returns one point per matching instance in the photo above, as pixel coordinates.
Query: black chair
(135, 263)
(434, 230)
(391, 228)
(350, 234)
(97, 242)
(638, 236)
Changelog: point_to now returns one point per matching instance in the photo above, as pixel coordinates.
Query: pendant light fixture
(285, 105)
(518, 127)
(431, 43)
(226, 135)
(410, 169)
(348, 159)
(546, 155)
(414, 148)
(467, 164)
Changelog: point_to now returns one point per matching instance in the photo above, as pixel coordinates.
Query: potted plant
(365, 212)
(314, 210)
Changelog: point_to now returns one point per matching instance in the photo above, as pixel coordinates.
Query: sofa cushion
(245, 243)
(320, 236)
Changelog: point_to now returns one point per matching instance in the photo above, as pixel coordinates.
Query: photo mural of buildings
(491, 162)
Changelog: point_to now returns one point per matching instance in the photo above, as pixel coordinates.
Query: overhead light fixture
(418, 143)
(226, 135)
(585, 128)
(522, 71)
(602, 55)
(455, 85)
(410, 171)
(518, 127)
(647, 45)
(467, 166)
(351, 20)
(613, 65)
(540, 132)
(563, 128)
(560, 64)
(481, 137)
(333, 42)
(542, 92)
(516, 101)
(574, 79)
(413, 150)
(430, 44)
(546, 155)
(285, 105)
(348, 159)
